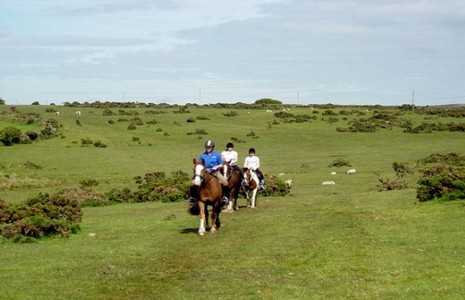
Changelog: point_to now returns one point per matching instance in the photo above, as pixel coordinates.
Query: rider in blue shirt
(213, 163)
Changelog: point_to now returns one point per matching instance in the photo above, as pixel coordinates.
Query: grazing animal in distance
(328, 183)
(351, 172)
(288, 183)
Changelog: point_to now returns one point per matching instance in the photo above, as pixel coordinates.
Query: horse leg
(254, 196)
(207, 217)
(214, 217)
(202, 218)
(229, 207)
(218, 222)
(247, 197)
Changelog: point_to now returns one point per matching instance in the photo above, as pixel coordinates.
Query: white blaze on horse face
(198, 172)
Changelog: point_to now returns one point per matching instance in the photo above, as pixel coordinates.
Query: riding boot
(224, 198)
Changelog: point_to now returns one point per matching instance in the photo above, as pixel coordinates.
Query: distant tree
(2, 102)
(267, 101)
(35, 103)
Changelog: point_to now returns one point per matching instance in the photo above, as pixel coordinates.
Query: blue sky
(208, 51)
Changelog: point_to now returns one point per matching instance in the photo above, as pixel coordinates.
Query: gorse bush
(340, 162)
(399, 182)
(41, 216)
(443, 177)
(10, 135)
(154, 186)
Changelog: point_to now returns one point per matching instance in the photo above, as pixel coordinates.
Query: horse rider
(252, 162)
(213, 164)
(230, 155)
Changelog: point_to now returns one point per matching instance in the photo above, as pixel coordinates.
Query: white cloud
(332, 49)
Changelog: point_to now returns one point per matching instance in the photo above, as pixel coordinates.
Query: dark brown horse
(251, 187)
(234, 185)
(208, 193)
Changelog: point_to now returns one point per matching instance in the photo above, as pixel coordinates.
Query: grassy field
(342, 241)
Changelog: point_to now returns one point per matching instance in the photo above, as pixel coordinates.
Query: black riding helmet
(229, 145)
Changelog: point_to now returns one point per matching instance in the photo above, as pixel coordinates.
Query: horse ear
(203, 161)
(195, 161)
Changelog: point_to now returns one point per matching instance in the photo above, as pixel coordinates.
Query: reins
(202, 177)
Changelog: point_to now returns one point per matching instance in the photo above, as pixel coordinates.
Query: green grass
(342, 241)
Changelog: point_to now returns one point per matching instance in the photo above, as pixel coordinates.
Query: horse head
(199, 171)
(226, 170)
(250, 177)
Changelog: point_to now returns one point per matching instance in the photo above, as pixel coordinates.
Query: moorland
(366, 236)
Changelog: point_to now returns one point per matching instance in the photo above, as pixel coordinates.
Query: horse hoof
(213, 230)
(201, 233)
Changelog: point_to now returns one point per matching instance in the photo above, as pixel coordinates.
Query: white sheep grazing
(288, 183)
(57, 113)
(333, 173)
(78, 113)
(351, 171)
(328, 183)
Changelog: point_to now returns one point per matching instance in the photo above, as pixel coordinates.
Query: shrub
(154, 187)
(31, 165)
(32, 135)
(86, 142)
(340, 163)
(231, 114)
(99, 144)
(137, 121)
(10, 135)
(399, 183)
(41, 216)
(84, 196)
(443, 179)
(275, 186)
(199, 131)
(88, 182)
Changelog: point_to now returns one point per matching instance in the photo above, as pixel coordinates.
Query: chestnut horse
(251, 187)
(234, 184)
(208, 193)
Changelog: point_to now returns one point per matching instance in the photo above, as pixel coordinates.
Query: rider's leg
(261, 179)
(224, 188)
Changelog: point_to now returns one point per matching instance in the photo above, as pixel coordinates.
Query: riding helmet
(209, 143)
(230, 145)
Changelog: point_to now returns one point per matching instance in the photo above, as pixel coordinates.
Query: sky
(347, 52)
